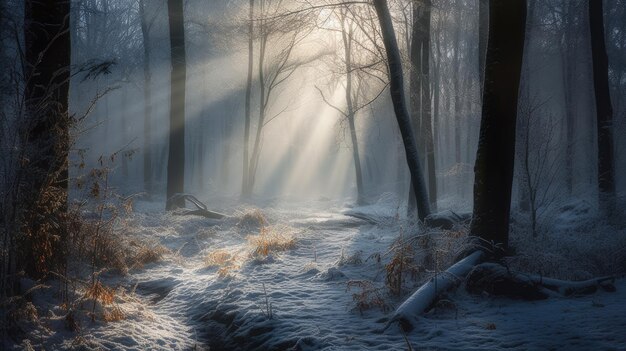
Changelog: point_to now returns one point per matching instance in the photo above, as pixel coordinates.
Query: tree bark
(245, 187)
(347, 44)
(604, 109)
(496, 149)
(420, 96)
(396, 89)
(47, 62)
(176, 154)
(147, 100)
(427, 123)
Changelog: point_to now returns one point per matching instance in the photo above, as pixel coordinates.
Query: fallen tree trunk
(363, 216)
(427, 294)
(201, 209)
(496, 279)
(568, 288)
(446, 219)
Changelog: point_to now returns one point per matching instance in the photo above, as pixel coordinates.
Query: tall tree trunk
(523, 181)
(483, 35)
(256, 149)
(245, 182)
(396, 88)
(456, 80)
(415, 86)
(496, 149)
(426, 122)
(568, 63)
(176, 154)
(47, 62)
(604, 110)
(123, 116)
(147, 100)
(346, 36)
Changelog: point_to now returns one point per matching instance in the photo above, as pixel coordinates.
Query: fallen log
(363, 216)
(426, 296)
(496, 279)
(568, 288)
(201, 208)
(447, 219)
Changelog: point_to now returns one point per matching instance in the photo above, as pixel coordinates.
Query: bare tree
(176, 155)
(496, 149)
(421, 96)
(396, 83)
(146, 24)
(604, 109)
(245, 186)
(278, 36)
(539, 156)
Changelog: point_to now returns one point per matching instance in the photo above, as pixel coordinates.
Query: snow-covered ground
(180, 303)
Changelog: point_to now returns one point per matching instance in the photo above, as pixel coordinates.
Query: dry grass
(227, 262)
(146, 253)
(217, 258)
(114, 314)
(271, 240)
(418, 255)
(370, 296)
(252, 220)
(99, 292)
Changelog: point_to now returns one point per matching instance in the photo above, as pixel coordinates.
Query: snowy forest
(313, 174)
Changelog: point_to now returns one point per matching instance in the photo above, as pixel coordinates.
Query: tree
(420, 95)
(245, 190)
(47, 73)
(356, 63)
(396, 89)
(483, 34)
(147, 98)
(278, 34)
(496, 148)
(176, 154)
(604, 109)
(347, 38)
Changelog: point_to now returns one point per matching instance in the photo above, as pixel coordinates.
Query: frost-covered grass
(576, 244)
(325, 278)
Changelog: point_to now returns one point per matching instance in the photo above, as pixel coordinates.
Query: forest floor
(305, 276)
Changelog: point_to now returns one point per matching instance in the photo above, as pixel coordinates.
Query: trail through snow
(312, 309)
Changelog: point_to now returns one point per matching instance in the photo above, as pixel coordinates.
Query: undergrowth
(271, 240)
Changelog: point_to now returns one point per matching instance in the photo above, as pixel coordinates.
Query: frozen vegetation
(319, 280)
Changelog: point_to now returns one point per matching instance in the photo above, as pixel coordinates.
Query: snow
(180, 303)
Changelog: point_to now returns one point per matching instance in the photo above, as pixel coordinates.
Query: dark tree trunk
(420, 97)
(604, 110)
(496, 148)
(396, 88)
(524, 185)
(245, 187)
(47, 63)
(427, 124)
(176, 154)
(147, 101)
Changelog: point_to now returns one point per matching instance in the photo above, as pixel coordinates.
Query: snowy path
(312, 309)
